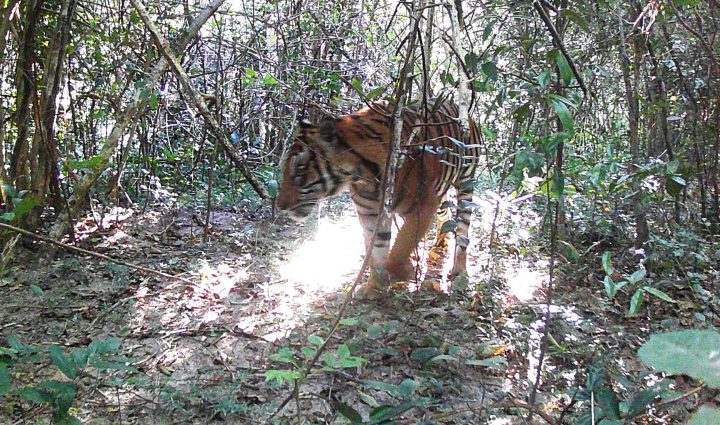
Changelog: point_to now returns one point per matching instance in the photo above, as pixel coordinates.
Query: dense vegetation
(601, 129)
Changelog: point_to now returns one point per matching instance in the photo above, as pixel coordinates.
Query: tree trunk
(642, 232)
(44, 145)
(25, 86)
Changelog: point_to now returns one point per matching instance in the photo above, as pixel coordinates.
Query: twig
(529, 407)
(680, 397)
(108, 311)
(93, 254)
(553, 32)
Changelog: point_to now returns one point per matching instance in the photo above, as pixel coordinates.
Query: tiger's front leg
(368, 207)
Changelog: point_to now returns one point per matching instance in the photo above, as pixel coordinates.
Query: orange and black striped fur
(350, 152)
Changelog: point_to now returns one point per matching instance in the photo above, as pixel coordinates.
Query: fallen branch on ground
(93, 254)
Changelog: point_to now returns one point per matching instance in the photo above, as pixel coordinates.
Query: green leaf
(636, 302)
(383, 414)
(80, 357)
(349, 322)
(408, 387)
(4, 379)
(496, 362)
(522, 112)
(62, 361)
(637, 276)
(8, 189)
(368, 399)
(281, 376)
(357, 85)
(104, 346)
(471, 61)
(8, 216)
(348, 362)
(35, 395)
(674, 185)
(565, 72)
(382, 386)
(609, 402)
(658, 293)
(490, 69)
(563, 113)
(36, 290)
(347, 412)
(269, 80)
(689, 352)
(577, 19)
(376, 93)
(443, 357)
(315, 340)
(487, 32)
(610, 287)
(706, 415)
(607, 263)
(63, 395)
(25, 206)
(424, 354)
(343, 350)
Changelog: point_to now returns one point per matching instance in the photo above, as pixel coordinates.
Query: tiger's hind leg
(443, 216)
(416, 224)
(462, 231)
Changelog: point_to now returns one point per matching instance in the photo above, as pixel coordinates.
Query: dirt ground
(264, 295)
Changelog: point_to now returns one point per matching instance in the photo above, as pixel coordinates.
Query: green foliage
(631, 281)
(689, 352)
(610, 407)
(100, 355)
(706, 415)
(340, 358)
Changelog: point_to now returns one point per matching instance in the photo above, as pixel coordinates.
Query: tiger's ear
(328, 129)
(305, 123)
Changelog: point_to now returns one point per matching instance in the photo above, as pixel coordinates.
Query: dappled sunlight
(323, 264)
(326, 261)
(523, 281)
(220, 279)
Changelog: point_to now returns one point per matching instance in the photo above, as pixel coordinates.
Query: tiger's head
(311, 170)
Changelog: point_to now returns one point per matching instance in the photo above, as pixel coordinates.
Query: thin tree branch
(553, 32)
(164, 46)
(51, 241)
(136, 106)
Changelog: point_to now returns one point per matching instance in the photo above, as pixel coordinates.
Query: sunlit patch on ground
(324, 262)
(524, 281)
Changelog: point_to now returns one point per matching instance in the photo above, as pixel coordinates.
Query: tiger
(350, 153)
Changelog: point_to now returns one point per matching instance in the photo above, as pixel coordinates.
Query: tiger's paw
(370, 291)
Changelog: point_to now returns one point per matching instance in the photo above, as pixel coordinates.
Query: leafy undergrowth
(105, 343)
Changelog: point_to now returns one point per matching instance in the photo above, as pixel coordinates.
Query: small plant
(59, 394)
(340, 359)
(690, 352)
(632, 281)
(21, 204)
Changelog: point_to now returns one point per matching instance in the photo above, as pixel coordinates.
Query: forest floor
(265, 293)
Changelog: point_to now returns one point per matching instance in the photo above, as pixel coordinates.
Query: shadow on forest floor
(265, 291)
